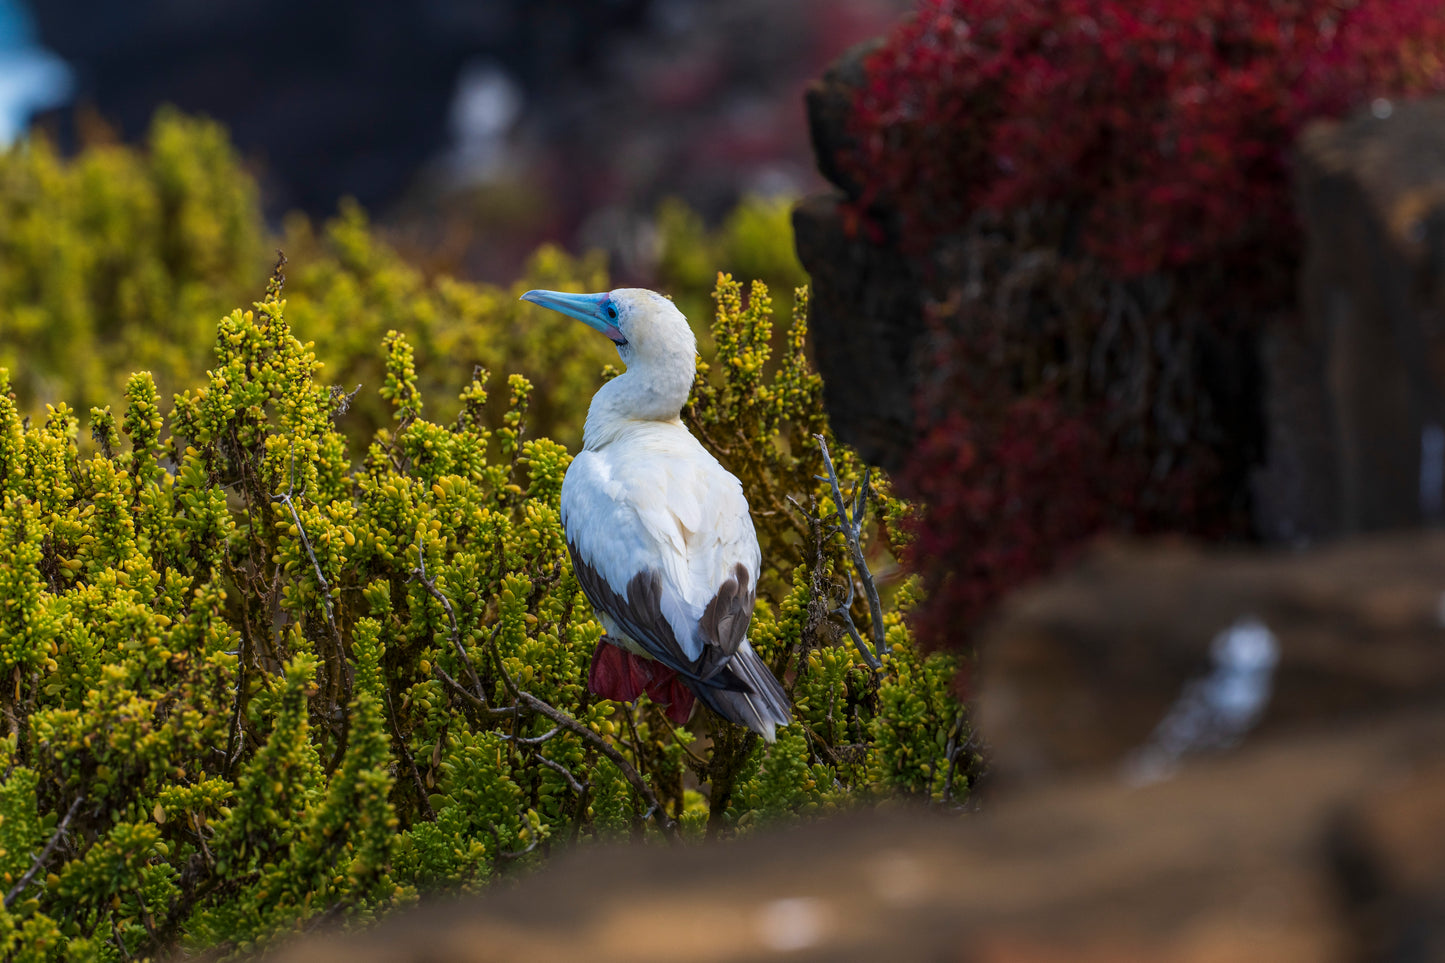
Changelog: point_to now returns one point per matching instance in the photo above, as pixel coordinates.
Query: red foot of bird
(619, 675)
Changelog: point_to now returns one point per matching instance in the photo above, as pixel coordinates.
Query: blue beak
(591, 309)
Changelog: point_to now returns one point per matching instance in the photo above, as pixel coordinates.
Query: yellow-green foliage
(274, 653)
(755, 241)
(120, 260)
(347, 289)
(260, 685)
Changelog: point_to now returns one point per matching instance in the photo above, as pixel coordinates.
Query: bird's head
(647, 328)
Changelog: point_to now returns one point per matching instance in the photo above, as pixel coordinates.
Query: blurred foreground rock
(1077, 673)
(1317, 837)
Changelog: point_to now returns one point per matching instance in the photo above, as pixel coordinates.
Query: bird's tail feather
(746, 693)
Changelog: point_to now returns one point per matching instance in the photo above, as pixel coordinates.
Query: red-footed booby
(659, 532)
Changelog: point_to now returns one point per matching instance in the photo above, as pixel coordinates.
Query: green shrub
(120, 260)
(348, 289)
(249, 683)
(755, 241)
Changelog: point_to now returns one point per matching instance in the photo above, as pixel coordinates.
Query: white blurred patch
(31, 78)
(792, 924)
(1215, 711)
(486, 104)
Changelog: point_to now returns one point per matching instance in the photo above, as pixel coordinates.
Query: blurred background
(476, 129)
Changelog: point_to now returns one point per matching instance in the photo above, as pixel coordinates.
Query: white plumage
(660, 534)
(655, 498)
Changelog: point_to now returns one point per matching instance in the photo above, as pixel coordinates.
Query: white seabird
(659, 532)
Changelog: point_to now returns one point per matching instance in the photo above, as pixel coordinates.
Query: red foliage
(1166, 124)
(1158, 134)
(1013, 483)
(1004, 496)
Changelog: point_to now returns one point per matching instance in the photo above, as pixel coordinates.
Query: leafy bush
(347, 289)
(1180, 117)
(252, 685)
(1097, 192)
(120, 260)
(755, 241)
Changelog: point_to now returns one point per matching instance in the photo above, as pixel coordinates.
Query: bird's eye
(611, 312)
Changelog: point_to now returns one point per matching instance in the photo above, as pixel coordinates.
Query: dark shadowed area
(478, 130)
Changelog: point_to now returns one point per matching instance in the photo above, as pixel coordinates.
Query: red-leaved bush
(1098, 192)
(1167, 124)
(992, 485)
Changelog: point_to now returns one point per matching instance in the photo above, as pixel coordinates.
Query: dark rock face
(829, 103)
(866, 312)
(1372, 196)
(337, 97)
(1295, 492)
(867, 303)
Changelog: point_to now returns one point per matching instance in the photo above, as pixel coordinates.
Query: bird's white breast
(653, 499)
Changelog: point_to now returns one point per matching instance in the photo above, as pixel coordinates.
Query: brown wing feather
(724, 622)
(723, 625)
(639, 613)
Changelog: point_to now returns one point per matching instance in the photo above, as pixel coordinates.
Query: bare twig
(285, 499)
(561, 770)
(409, 759)
(700, 762)
(535, 740)
(342, 401)
(507, 682)
(664, 822)
(339, 685)
(195, 822)
(845, 613)
(456, 635)
(45, 854)
(851, 525)
(236, 737)
(478, 705)
(534, 743)
(125, 953)
(951, 752)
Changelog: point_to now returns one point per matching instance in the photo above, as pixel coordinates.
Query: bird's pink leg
(617, 674)
(621, 676)
(667, 689)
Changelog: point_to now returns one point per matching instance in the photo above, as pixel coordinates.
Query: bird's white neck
(647, 392)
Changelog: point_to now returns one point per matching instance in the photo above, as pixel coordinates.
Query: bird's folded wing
(666, 548)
